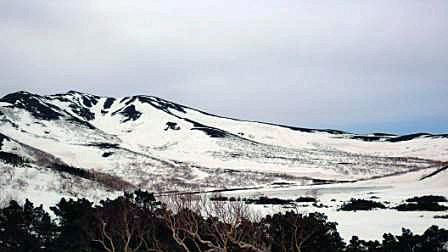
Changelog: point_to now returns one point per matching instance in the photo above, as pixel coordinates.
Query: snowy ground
(367, 225)
(130, 138)
(44, 186)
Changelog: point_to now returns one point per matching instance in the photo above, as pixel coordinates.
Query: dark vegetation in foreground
(423, 203)
(138, 222)
(361, 204)
(264, 200)
(427, 198)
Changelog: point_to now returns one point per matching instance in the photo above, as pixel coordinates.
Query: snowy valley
(82, 145)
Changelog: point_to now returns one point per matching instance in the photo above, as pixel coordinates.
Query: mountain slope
(155, 144)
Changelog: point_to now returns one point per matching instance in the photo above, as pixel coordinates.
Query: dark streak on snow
(367, 138)
(434, 173)
(82, 112)
(104, 145)
(417, 135)
(124, 99)
(213, 132)
(108, 103)
(161, 104)
(131, 113)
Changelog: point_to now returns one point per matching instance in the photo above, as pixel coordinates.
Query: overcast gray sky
(361, 66)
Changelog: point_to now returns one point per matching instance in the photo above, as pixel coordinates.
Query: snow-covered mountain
(85, 145)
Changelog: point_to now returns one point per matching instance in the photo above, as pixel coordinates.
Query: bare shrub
(314, 193)
(6, 174)
(6, 197)
(122, 226)
(227, 226)
(20, 184)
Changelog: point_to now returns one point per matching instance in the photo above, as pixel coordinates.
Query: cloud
(313, 64)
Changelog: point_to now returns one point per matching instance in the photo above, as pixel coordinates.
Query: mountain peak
(19, 95)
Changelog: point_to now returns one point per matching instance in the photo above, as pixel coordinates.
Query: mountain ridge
(155, 144)
(88, 99)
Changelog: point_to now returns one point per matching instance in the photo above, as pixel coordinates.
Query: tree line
(138, 222)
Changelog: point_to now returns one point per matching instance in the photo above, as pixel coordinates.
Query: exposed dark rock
(108, 103)
(161, 104)
(213, 132)
(73, 92)
(82, 112)
(60, 97)
(105, 145)
(124, 99)
(107, 154)
(32, 104)
(172, 125)
(131, 113)
(87, 102)
(131, 100)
